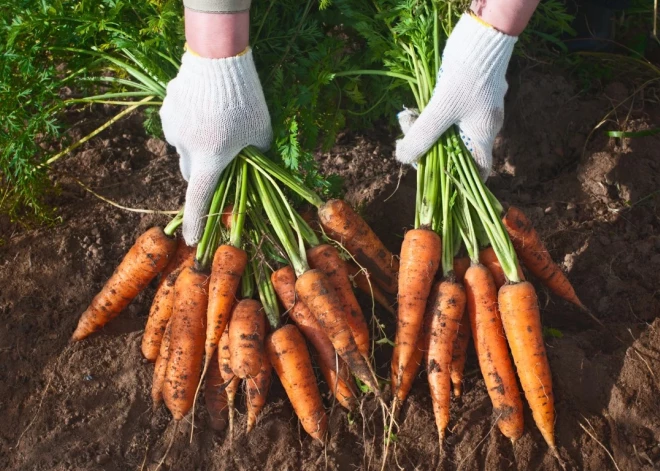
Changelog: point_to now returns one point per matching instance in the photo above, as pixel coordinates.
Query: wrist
(507, 16)
(217, 35)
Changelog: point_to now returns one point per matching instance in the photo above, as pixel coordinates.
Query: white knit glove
(469, 92)
(213, 109)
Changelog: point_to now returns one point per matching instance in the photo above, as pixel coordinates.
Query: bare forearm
(508, 16)
(217, 35)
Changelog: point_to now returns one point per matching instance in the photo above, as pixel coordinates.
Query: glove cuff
(231, 76)
(476, 43)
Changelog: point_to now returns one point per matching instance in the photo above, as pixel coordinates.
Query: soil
(593, 199)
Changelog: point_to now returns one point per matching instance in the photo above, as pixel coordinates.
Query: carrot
(420, 258)
(326, 259)
(459, 354)
(488, 259)
(215, 396)
(288, 354)
(284, 281)
(148, 256)
(522, 324)
(227, 215)
(186, 341)
(461, 264)
(161, 306)
(317, 294)
(531, 250)
(402, 390)
(492, 351)
(360, 277)
(247, 330)
(256, 392)
(228, 266)
(228, 376)
(446, 308)
(161, 367)
(343, 224)
(311, 218)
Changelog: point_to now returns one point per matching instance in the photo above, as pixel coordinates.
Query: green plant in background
(62, 53)
(124, 53)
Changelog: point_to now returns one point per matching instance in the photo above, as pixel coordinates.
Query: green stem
(386, 73)
(240, 205)
(271, 205)
(210, 237)
(266, 292)
(174, 224)
(262, 163)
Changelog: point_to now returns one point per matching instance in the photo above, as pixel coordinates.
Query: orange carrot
(459, 354)
(228, 266)
(420, 258)
(215, 396)
(186, 341)
(284, 281)
(231, 380)
(326, 259)
(288, 354)
(492, 351)
(161, 306)
(360, 277)
(446, 308)
(488, 259)
(161, 367)
(227, 215)
(256, 393)
(343, 224)
(522, 324)
(402, 390)
(531, 250)
(461, 264)
(148, 256)
(247, 330)
(317, 294)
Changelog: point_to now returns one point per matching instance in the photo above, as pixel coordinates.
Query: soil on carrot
(595, 202)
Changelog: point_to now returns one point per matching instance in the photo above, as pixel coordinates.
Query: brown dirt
(87, 406)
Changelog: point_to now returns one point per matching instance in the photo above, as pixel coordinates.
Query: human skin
(217, 35)
(508, 16)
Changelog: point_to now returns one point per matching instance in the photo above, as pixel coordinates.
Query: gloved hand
(212, 110)
(469, 92)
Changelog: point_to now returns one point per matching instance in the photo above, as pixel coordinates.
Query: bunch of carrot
(443, 298)
(205, 326)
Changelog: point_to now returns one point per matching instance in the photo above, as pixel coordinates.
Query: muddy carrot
(160, 367)
(492, 351)
(420, 257)
(459, 354)
(343, 224)
(256, 392)
(361, 279)
(231, 380)
(215, 396)
(161, 306)
(247, 330)
(531, 250)
(522, 325)
(326, 259)
(186, 341)
(461, 264)
(148, 257)
(289, 356)
(228, 266)
(284, 281)
(317, 294)
(402, 390)
(488, 259)
(446, 308)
